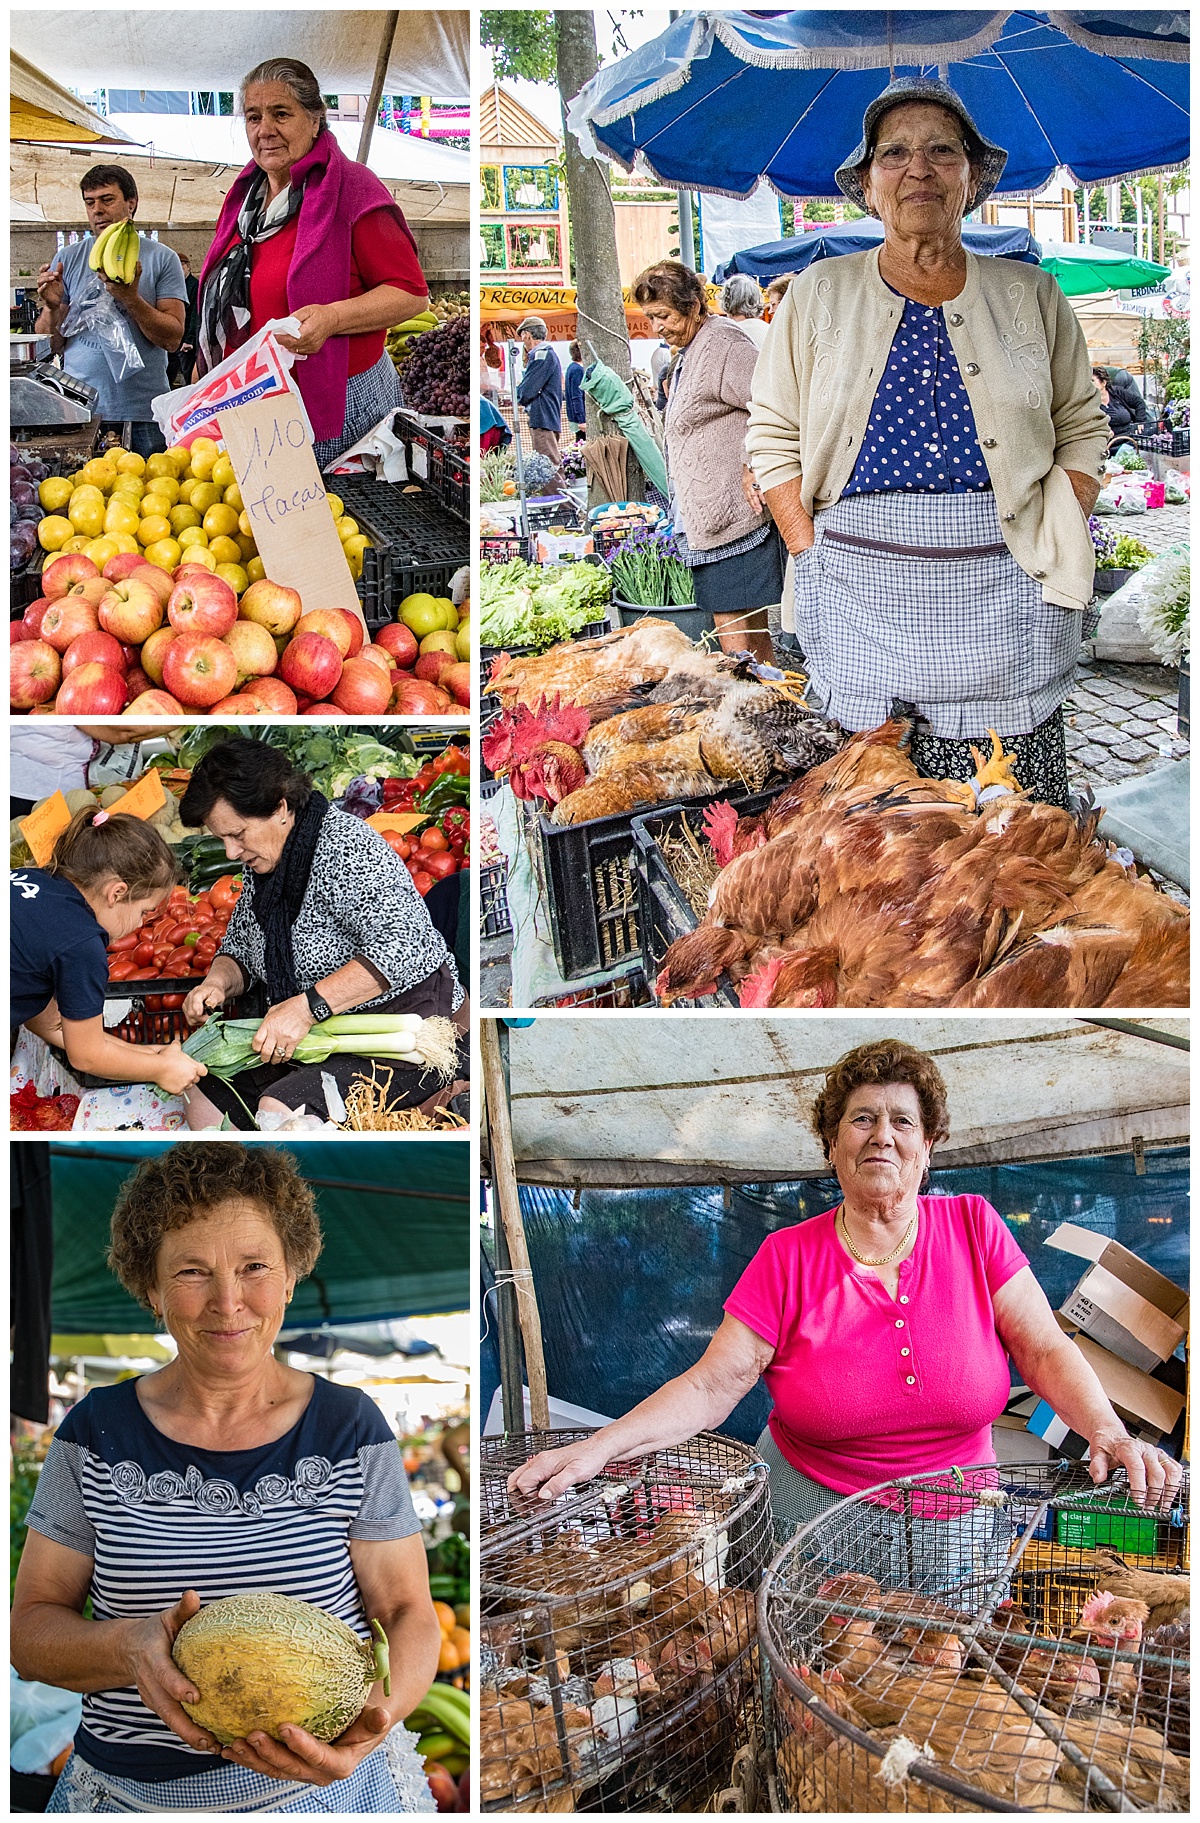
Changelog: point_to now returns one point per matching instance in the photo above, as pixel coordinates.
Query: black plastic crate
(25, 585)
(494, 919)
(419, 544)
(495, 548)
(1163, 442)
(590, 885)
(625, 990)
(663, 912)
(450, 477)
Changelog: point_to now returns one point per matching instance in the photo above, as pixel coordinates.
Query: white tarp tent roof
(705, 1099)
(212, 48)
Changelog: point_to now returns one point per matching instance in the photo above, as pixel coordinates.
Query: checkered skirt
(370, 396)
(966, 638)
(391, 1781)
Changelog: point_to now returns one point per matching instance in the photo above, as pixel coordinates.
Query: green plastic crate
(1126, 1531)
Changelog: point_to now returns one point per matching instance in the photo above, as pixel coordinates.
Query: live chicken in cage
(618, 1660)
(1056, 1676)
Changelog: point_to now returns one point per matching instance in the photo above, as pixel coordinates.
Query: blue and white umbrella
(720, 100)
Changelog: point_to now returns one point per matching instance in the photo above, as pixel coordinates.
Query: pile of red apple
(140, 640)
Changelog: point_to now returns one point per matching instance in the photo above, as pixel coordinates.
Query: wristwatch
(318, 1007)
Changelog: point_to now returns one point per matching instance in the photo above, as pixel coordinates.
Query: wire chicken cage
(988, 1639)
(618, 1658)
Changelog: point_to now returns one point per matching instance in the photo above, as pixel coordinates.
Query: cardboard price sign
(43, 826)
(282, 490)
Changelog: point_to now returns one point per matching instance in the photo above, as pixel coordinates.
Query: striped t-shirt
(158, 1517)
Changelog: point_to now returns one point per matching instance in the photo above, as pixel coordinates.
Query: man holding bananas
(144, 279)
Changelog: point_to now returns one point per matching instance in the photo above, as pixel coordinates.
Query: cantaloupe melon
(261, 1660)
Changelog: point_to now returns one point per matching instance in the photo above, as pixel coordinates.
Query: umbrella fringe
(904, 56)
(1143, 48)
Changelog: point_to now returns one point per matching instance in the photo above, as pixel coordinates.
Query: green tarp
(396, 1219)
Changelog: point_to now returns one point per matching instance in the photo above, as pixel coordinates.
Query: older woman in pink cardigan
(732, 549)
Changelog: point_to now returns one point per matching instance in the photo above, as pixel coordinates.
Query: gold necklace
(862, 1257)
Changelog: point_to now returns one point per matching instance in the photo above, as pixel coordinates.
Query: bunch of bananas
(401, 337)
(115, 252)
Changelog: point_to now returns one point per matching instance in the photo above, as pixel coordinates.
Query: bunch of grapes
(437, 373)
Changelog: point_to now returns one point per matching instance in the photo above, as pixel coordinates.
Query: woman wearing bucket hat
(928, 438)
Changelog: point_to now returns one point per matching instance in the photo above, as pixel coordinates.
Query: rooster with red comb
(538, 750)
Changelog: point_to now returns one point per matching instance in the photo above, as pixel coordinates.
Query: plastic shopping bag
(256, 370)
(93, 316)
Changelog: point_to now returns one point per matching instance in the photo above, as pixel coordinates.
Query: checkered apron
(391, 1780)
(917, 597)
(370, 396)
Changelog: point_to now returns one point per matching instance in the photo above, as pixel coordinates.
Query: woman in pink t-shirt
(883, 1330)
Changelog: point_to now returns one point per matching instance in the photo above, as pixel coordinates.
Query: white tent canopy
(208, 48)
(706, 1099)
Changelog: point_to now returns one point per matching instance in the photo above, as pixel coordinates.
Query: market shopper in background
(576, 408)
(182, 362)
(882, 1329)
(153, 305)
(929, 441)
(732, 549)
(306, 232)
(328, 920)
(540, 393)
(742, 302)
(224, 1473)
(43, 760)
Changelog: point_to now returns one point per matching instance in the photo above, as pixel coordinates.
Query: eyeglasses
(942, 152)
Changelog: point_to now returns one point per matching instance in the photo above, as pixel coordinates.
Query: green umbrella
(1082, 270)
(616, 402)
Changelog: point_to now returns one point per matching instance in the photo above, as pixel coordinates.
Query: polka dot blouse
(921, 434)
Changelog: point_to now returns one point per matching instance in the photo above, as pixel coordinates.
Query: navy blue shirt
(576, 409)
(920, 437)
(541, 389)
(58, 949)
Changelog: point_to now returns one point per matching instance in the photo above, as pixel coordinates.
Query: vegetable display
(646, 570)
(521, 604)
(155, 602)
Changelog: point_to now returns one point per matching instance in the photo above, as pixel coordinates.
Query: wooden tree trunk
(599, 303)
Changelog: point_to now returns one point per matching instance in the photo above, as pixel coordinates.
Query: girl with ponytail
(108, 872)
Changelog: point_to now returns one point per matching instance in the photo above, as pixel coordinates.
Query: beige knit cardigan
(1025, 366)
(705, 430)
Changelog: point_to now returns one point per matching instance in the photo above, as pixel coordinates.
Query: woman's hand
(551, 1472)
(750, 488)
(208, 998)
(174, 1071)
(282, 1029)
(320, 321)
(301, 1756)
(160, 1683)
(1153, 1477)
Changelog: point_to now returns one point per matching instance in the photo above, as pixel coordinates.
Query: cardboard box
(1121, 1303)
(1144, 1403)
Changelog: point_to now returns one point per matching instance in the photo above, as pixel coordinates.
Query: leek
(225, 1046)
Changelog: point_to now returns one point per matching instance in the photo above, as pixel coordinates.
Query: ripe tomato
(432, 838)
(203, 903)
(122, 970)
(225, 893)
(441, 866)
(154, 1003)
(121, 946)
(143, 974)
(144, 953)
(422, 881)
(178, 962)
(172, 1002)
